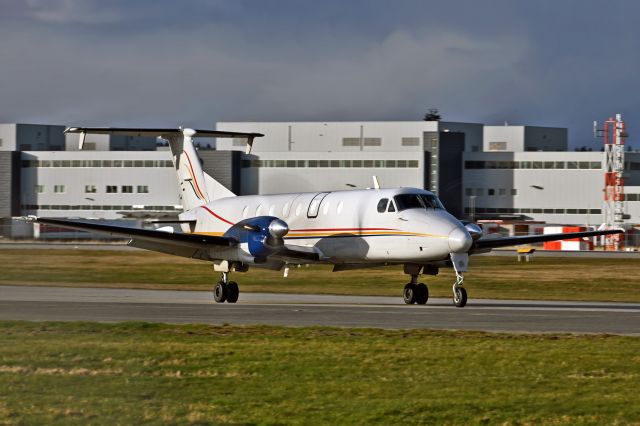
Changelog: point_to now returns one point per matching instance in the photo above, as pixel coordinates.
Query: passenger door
(314, 205)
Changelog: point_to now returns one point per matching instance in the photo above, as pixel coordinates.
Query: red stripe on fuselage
(219, 217)
(342, 229)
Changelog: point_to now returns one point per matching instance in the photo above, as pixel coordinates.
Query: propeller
(264, 235)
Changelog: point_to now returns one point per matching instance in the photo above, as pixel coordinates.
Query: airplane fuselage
(367, 226)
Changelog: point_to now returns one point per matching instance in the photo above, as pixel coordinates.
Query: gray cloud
(195, 62)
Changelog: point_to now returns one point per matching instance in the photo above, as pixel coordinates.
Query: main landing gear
(415, 293)
(225, 290)
(419, 293)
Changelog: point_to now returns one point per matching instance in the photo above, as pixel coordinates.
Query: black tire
(409, 294)
(422, 294)
(220, 292)
(232, 292)
(460, 297)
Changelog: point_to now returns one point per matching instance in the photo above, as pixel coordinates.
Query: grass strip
(489, 277)
(140, 373)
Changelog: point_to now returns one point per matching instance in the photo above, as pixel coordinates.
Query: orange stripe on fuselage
(190, 169)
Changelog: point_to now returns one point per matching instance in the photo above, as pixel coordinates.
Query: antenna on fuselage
(376, 184)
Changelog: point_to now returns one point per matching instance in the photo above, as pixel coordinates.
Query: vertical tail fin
(191, 181)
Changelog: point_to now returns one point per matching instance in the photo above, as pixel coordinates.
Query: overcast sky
(194, 62)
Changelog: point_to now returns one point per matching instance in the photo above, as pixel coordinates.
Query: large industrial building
(479, 172)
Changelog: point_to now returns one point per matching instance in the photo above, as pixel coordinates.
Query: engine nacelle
(264, 235)
(473, 229)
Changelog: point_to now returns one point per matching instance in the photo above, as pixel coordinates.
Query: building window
(410, 141)
(480, 192)
(514, 191)
(126, 189)
(58, 189)
(502, 191)
(39, 189)
(350, 141)
(90, 189)
(491, 191)
(111, 189)
(497, 146)
(143, 189)
(372, 141)
(468, 192)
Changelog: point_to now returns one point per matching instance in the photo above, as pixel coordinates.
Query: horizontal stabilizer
(125, 131)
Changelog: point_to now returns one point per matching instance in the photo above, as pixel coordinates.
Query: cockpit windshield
(417, 201)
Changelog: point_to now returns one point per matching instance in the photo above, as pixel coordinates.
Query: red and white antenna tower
(614, 136)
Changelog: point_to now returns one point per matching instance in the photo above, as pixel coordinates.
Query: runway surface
(113, 305)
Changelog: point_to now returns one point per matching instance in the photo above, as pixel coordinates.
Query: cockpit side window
(417, 201)
(431, 201)
(382, 205)
(392, 206)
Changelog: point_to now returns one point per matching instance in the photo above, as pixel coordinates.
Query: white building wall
(553, 195)
(329, 136)
(8, 137)
(407, 171)
(524, 138)
(75, 202)
(509, 137)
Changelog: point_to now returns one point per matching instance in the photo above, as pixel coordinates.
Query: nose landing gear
(460, 263)
(459, 292)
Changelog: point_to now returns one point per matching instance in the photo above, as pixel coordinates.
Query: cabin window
(325, 209)
(298, 209)
(259, 210)
(245, 211)
(382, 205)
(340, 206)
(286, 209)
(417, 201)
(272, 210)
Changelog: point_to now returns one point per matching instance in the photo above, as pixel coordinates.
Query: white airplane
(348, 229)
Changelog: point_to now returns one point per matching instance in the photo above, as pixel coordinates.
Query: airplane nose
(460, 241)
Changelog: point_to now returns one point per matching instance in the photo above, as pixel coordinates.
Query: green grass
(136, 373)
(489, 277)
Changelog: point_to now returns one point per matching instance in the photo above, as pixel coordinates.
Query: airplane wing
(179, 244)
(491, 243)
(146, 235)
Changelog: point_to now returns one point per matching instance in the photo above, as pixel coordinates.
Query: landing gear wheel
(232, 292)
(421, 294)
(460, 297)
(409, 293)
(220, 292)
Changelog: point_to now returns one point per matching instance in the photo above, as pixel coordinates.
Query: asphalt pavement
(115, 305)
